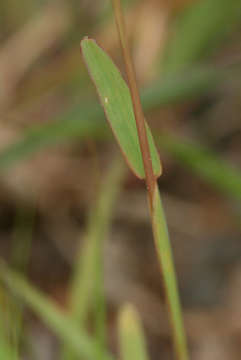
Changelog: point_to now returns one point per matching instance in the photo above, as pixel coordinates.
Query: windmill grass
(124, 112)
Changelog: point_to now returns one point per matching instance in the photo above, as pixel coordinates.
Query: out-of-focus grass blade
(198, 30)
(115, 97)
(57, 321)
(131, 336)
(6, 352)
(184, 85)
(7, 326)
(204, 163)
(83, 121)
(107, 8)
(99, 222)
(57, 132)
(88, 268)
(22, 237)
(98, 227)
(22, 241)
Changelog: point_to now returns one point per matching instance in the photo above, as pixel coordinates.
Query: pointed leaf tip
(131, 335)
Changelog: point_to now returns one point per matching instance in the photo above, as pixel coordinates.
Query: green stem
(165, 257)
(159, 226)
(136, 101)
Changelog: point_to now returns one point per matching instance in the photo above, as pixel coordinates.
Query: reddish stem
(135, 96)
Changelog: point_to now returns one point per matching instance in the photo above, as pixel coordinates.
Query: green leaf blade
(115, 97)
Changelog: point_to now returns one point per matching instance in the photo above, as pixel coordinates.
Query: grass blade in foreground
(116, 99)
(131, 336)
(57, 321)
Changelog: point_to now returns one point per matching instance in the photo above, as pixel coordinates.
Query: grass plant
(124, 112)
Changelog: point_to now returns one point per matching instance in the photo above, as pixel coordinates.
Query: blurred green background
(62, 182)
